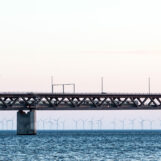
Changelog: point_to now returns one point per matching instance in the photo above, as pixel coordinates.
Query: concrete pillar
(26, 122)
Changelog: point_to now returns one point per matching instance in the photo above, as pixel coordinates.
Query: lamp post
(149, 85)
(52, 86)
(101, 84)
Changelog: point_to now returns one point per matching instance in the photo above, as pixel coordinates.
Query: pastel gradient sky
(79, 42)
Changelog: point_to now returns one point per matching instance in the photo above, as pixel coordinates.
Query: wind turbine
(2, 124)
(63, 124)
(39, 124)
(123, 124)
(57, 123)
(151, 123)
(160, 123)
(132, 122)
(83, 123)
(114, 124)
(43, 124)
(5, 124)
(8, 122)
(142, 123)
(50, 122)
(99, 123)
(76, 123)
(91, 122)
(46, 124)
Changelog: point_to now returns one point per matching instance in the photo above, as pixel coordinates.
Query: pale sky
(79, 42)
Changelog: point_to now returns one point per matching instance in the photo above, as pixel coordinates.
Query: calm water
(78, 145)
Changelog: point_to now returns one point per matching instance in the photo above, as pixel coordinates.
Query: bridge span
(78, 101)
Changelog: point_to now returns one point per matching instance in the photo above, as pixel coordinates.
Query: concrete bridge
(31, 102)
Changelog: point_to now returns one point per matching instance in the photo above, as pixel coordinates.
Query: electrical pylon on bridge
(94, 101)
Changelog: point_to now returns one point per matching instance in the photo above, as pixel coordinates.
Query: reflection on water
(82, 145)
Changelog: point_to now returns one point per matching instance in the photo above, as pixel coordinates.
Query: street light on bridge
(149, 84)
(52, 87)
(101, 84)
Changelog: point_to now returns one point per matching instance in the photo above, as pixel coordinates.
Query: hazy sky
(79, 42)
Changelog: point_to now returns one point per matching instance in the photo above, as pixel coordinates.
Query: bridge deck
(79, 101)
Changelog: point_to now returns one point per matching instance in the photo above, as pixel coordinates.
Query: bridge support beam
(26, 122)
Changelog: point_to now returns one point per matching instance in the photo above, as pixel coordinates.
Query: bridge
(78, 101)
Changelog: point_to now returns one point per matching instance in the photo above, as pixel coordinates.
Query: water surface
(81, 146)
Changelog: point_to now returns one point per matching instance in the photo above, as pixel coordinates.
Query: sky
(80, 42)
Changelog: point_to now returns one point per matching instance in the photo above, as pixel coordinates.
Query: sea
(81, 146)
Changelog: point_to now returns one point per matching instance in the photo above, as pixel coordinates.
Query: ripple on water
(72, 145)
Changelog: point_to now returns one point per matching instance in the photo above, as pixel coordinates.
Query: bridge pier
(26, 122)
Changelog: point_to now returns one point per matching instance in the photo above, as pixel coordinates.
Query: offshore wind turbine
(151, 123)
(132, 122)
(43, 124)
(50, 122)
(76, 123)
(8, 122)
(159, 123)
(123, 124)
(91, 122)
(83, 123)
(114, 124)
(142, 123)
(2, 124)
(57, 123)
(99, 123)
(63, 124)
